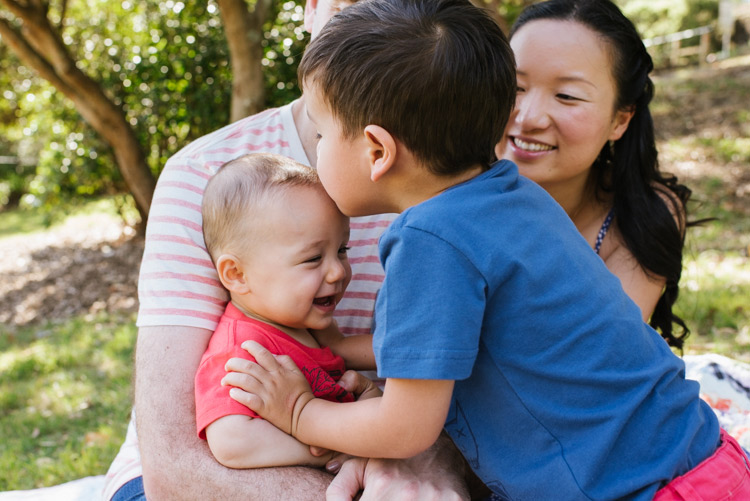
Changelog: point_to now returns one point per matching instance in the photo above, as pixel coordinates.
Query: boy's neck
(302, 336)
(418, 185)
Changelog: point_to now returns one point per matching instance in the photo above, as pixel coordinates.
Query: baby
(279, 245)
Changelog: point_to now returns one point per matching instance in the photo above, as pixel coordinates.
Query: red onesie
(212, 401)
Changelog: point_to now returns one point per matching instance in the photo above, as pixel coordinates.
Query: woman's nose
(531, 112)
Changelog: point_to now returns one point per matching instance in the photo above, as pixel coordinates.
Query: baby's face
(298, 269)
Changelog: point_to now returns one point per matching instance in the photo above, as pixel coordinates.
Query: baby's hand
(274, 387)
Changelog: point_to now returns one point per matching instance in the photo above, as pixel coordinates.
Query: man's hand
(274, 387)
(436, 474)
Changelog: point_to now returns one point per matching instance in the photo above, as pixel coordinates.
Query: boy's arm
(239, 441)
(405, 421)
(355, 350)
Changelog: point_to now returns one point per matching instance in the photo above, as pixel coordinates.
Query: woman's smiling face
(565, 108)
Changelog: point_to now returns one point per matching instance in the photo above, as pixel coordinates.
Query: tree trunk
(39, 45)
(244, 31)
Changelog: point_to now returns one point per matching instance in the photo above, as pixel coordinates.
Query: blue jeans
(131, 491)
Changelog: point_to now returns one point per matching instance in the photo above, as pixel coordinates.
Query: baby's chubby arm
(239, 441)
(355, 350)
(405, 421)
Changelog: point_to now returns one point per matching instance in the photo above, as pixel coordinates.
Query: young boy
(495, 319)
(279, 245)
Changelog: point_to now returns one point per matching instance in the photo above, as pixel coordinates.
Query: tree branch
(31, 58)
(63, 10)
(38, 44)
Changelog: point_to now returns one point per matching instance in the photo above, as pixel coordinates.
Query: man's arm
(176, 463)
(239, 441)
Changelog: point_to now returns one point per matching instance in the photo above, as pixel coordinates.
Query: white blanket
(83, 489)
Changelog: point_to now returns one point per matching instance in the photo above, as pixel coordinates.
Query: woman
(582, 129)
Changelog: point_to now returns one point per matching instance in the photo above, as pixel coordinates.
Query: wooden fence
(675, 52)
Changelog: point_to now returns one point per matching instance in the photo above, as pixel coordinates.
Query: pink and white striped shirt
(178, 284)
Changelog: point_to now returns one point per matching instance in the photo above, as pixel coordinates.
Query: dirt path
(88, 264)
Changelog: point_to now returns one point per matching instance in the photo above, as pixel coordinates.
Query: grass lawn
(65, 393)
(702, 122)
(65, 383)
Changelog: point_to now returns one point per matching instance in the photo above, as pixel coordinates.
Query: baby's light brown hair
(235, 196)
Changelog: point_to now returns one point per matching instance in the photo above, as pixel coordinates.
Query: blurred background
(95, 95)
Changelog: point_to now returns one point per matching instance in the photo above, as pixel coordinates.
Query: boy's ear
(231, 275)
(381, 151)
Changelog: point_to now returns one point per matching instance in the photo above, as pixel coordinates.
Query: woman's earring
(612, 148)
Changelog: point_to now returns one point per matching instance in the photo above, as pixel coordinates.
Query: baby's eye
(314, 259)
(344, 249)
(318, 136)
(567, 97)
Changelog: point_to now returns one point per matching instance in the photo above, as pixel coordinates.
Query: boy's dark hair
(438, 75)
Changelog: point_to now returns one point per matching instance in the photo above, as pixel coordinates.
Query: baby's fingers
(262, 356)
(249, 400)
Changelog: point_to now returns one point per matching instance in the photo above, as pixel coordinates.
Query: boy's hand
(274, 387)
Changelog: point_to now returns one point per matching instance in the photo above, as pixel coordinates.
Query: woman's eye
(567, 97)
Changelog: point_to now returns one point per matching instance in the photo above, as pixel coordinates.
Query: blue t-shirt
(562, 391)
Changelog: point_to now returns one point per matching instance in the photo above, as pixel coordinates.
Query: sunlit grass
(65, 391)
(33, 219)
(715, 300)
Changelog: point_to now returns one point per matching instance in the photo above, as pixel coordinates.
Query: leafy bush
(165, 63)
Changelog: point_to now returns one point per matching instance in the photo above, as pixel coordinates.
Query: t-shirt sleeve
(429, 312)
(212, 400)
(178, 284)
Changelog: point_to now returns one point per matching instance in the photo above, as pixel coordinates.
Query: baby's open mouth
(324, 301)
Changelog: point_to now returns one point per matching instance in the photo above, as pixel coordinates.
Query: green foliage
(27, 220)
(165, 63)
(284, 43)
(662, 17)
(655, 18)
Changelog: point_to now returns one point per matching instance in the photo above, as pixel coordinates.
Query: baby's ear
(231, 274)
(382, 150)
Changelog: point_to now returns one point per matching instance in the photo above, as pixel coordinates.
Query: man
(181, 300)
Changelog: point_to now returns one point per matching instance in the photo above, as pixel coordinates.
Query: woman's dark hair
(646, 202)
